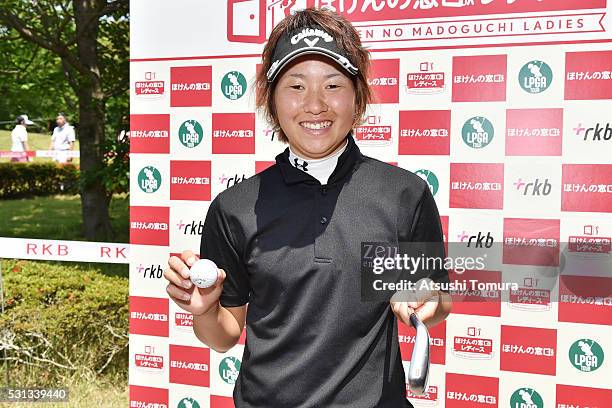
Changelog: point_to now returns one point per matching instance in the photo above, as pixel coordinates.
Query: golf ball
(203, 273)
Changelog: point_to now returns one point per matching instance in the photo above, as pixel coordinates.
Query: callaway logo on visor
(307, 33)
(307, 40)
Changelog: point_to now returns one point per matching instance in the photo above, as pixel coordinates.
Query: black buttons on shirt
(323, 191)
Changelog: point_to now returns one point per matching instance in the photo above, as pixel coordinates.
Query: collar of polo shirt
(348, 162)
(321, 168)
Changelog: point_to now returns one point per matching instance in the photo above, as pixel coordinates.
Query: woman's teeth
(316, 125)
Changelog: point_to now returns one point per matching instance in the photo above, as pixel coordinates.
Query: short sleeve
(218, 245)
(71, 135)
(23, 136)
(427, 228)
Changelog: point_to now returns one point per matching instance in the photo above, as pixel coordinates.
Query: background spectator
(62, 139)
(19, 136)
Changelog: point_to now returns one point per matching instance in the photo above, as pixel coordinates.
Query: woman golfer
(287, 241)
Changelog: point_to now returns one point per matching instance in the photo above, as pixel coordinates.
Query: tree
(31, 81)
(90, 39)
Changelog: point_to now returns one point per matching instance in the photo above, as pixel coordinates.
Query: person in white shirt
(62, 139)
(19, 137)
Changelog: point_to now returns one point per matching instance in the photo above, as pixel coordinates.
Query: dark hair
(20, 120)
(347, 39)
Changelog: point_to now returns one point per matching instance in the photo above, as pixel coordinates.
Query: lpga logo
(526, 398)
(430, 178)
(233, 85)
(149, 179)
(229, 368)
(535, 77)
(188, 403)
(191, 133)
(477, 132)
(586, 355)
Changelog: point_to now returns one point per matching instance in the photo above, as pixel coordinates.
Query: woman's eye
(298, 87)
(333, 86)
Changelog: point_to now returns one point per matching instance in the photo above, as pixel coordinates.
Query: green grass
(57, 217)
(36, 141)
(108, 391)
(108, 269)
(84, 394)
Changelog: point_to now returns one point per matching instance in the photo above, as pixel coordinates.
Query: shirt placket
(322, 215)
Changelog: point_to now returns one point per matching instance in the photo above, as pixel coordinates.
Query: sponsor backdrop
(503, 106)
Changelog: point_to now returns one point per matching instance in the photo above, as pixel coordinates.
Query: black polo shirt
(291, 250)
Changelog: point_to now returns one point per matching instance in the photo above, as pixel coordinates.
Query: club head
(418, 373)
